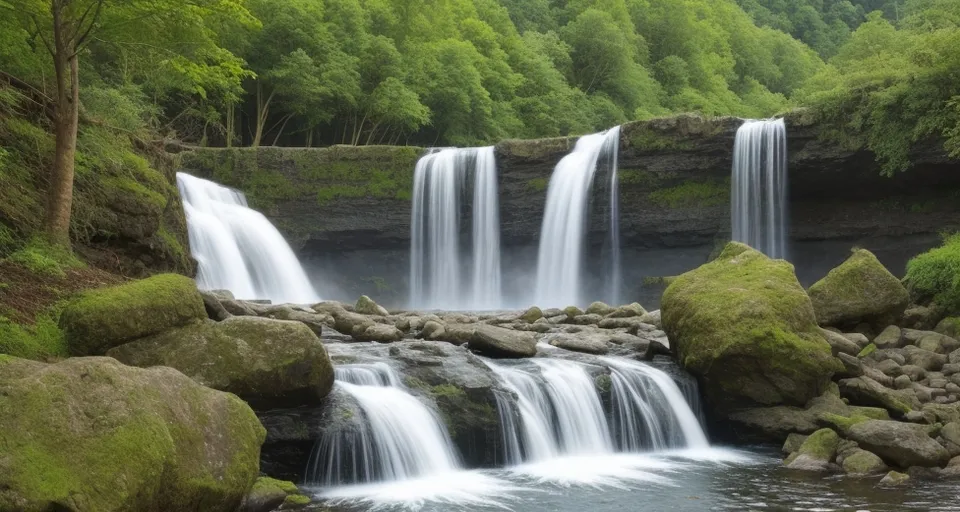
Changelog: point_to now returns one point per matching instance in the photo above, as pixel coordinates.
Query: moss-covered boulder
(269, 494)
(745, 327)
(269, 363)
(93, 435)
(816, 453)
(861, 289)
(98, 320)
(862, 462)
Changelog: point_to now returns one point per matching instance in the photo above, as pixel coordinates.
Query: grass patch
(44, 259)
(41, 341)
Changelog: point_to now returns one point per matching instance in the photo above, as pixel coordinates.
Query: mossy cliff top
(744, 326)
(93, 435)
(103, 318)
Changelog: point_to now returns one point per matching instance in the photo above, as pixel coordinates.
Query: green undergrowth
(44, 340)
(45, 259)
(934, 276)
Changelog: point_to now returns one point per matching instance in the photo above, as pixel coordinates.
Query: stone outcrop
(861, 289)
(90, 434)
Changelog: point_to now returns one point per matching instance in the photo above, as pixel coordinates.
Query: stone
(866, 391)
(889, 367)
(380, 333)
(627, 311)
(632, 323)
(98, 320)
(91, 434)
(902, 382)
(268, 363)
(572, 311)
(950, 369)
(935, 342)
(793, 442)
(924, 358)
(952, 470)
(903, 444)
(775, 424)
(499, 342)
(317, 322)
(268, 495)
(861, 462)
(950, 438)
(599, 308)
(851, 366)
(926, 394)
(215, 310)
(588, 319)
(237, 307)
(861, 289)
(744, 327)
(954, 357)
(857, 338)
(892, 354)
(894, 479)
(366, 306)
(949, 326)
(531, 315)
(652, 318)
(877, 375)
(433, 330)
(590, 344)
(919, 317)
(890, 337)
(840, 344)
(816, 452)
(913, 372)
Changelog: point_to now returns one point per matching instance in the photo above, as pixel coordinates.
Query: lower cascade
(397, 438)
(759, 187)
(237, 248)
(558, 410)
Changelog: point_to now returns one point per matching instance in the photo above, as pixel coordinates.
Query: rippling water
(714, 479)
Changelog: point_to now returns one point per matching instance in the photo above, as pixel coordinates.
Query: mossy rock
(745, 327)
(101, 319)
(816, 453)
(862, 462)
(269, 494)
(91, 434)
(949, 326)
(268, 363)
(860, 289)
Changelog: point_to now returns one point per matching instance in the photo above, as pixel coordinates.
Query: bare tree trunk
(60, 194)
(231, 123)
(263, 111)
(282, 126)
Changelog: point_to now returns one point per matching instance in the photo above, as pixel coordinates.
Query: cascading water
(559, 412)
(759, 186)
(397, 437)
(437, 267)
(566, 221)
(237, 248)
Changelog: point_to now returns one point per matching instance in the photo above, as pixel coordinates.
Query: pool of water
(713, 479)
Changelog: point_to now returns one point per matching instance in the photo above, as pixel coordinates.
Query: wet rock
(890, 337)
(499, 342)
(268, 495)
(903, 444)
(215, 310)
(861, 462)
(433, 330)
(588, 319)
(599, 308)
(894, 479)
(861, 289)
(268, 363)
(952, 470)
(531, 315)
(587, 343)
(816, 452)
(457, 334)
(866, 391)
(366, 306)
(653, 318)
(628, 311)
(793, 442)
(380, 333)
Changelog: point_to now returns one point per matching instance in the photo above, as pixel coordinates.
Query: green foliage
(692, 194)
(935, 275)
(42, 258)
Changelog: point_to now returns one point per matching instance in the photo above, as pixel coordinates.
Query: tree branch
(78, 45)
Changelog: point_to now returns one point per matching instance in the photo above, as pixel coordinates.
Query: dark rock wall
(347, 209)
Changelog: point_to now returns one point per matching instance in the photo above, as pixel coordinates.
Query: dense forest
(461, 72)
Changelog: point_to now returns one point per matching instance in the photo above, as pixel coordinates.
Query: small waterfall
(237, 248)
(566, 222)
(759, 187)
(397, 437)
(559, 412)
(437, 265)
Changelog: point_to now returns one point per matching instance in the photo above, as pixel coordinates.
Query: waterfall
(559, 411)
(397, 437)
(237, 248)
(759, 187)
(566, 221)
(438, 269)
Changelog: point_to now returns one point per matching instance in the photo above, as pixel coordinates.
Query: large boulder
(90, 434)
(745, 327)
(269, 363)
(903, 444)
(496, 341)
(816, 453)
(860, 289)
(101, 319)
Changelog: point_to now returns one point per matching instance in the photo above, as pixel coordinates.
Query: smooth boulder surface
(500, 342)
(745, 327)
(862, 462)
(860, 289)
(98, 320)
(366, 306)
(903, 444)
(93, 435)
(816, 452)
(266, 362)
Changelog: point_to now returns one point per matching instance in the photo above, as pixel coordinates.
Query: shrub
(935, 275)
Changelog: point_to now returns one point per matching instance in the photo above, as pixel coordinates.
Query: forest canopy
(465, 72)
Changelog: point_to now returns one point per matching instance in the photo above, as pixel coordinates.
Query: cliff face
(337, 203)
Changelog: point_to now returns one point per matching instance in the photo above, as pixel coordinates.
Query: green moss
(744, 317)
(296, 500)
(100, 319)
(657, 281)
(44, 259)
(859, 289)
(43, 340)
(821, 445)
(538, 184)
(692, 194)
(842, 423)
(265, 483)
(935, 275)
(646, 138)
(949, 326)
(869, 349)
